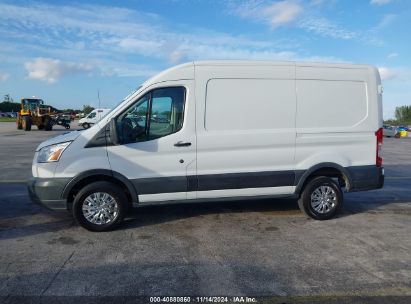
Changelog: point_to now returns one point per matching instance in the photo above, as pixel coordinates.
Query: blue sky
(64, 51)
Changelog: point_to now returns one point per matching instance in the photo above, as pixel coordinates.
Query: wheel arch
(84, 178)
(323, 169)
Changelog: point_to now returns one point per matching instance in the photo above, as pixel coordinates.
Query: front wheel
(321, 198)
(48, 125)
(26, 123)
(100, 206)
(86, 125)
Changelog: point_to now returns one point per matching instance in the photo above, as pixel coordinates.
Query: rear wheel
(321, 198)
(100, 206)
(26, 123)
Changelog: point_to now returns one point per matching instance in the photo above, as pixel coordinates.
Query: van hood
(69, 136)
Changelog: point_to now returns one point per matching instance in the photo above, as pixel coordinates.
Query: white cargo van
(93, 117)
(222, 129)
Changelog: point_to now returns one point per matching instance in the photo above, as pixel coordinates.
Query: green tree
(403, 114)
(71, 111)
(8, 105)
(87, 109)
(7, 98)
(391, 122)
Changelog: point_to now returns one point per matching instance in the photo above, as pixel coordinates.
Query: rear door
(245, 130)
(337, 116)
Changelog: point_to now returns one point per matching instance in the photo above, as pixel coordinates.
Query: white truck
(93, 117)
(215, 130)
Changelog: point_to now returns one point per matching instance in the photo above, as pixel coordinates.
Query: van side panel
(245, 130)
(249, 104)
(337, 116)
(331, 104)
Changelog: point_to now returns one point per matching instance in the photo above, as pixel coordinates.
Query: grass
(7, 119)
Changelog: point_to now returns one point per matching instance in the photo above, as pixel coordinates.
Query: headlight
(52, 153)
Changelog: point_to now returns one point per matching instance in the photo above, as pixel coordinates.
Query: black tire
(40, 127)
(26, 123)
(67, 127)
(100, 187)
(48, 125)
(325, 208)
(86, 125)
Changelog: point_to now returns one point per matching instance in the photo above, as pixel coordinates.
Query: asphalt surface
(17, 149)
(261, 248)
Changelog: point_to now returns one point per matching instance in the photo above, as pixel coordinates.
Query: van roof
(186, 71)
(276, 63)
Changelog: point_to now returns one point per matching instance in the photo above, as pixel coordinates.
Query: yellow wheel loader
(33, 112)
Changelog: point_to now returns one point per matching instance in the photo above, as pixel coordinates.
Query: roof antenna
(98, 96)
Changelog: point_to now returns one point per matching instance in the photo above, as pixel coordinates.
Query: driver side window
(156, 114)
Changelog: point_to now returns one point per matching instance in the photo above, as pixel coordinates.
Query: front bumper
(48, 192)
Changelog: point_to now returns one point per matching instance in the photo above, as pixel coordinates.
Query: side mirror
(105, 137)
(112, 138)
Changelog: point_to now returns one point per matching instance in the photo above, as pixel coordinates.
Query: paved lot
(254, 248)
(17, 147)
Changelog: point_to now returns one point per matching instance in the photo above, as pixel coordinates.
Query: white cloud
(331, 29)
(280, 13)
(398, 73)
(385, 21)
(114, 41)
(292, 12)
(392, 55)
(275, 14)
(379, 2)
(326, 28)
(316, 2)
(4, 76)
(50, 70)
(107, 40)
(86, 19)
(130, 71)
(143, 47)
(387, 73)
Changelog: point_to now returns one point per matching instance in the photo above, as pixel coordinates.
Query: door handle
(182, 144)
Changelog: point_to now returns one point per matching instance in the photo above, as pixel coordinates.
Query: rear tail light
(378, 159)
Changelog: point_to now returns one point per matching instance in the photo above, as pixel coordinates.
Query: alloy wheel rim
(100, 208)
(323, 199)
